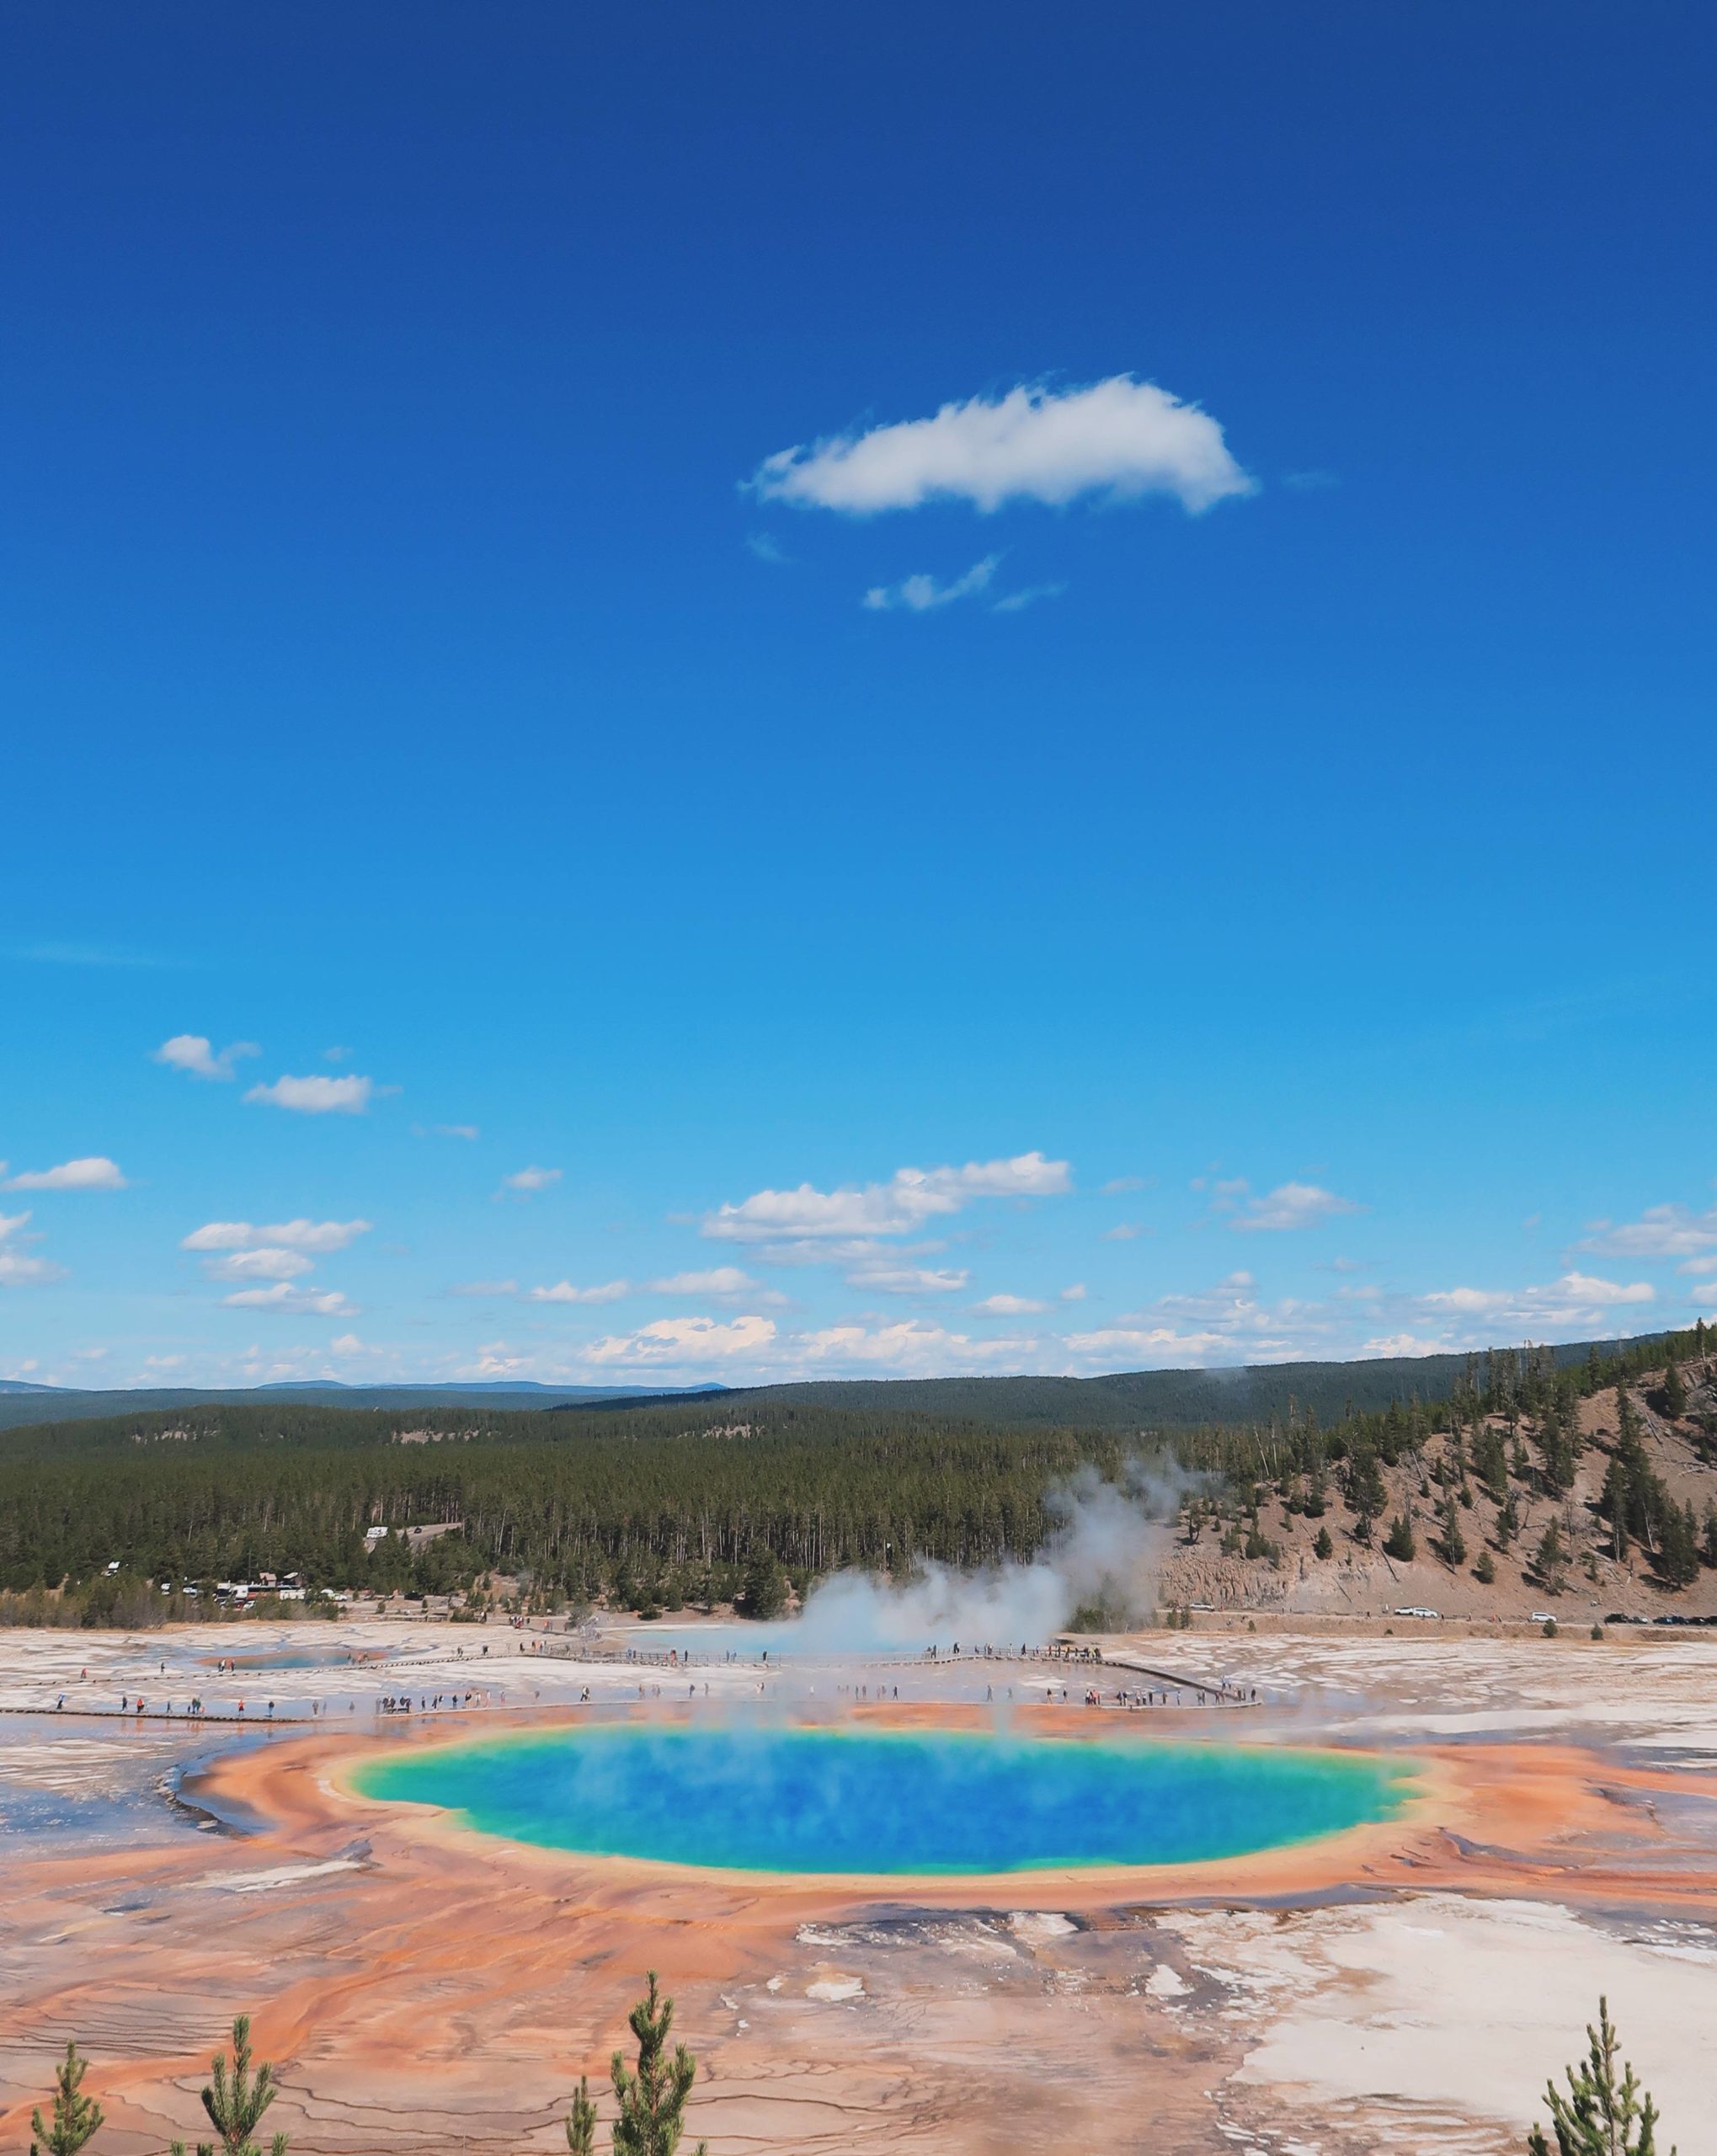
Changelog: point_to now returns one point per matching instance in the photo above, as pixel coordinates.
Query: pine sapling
(1599, 2115)
(581, 2125)
(653, 2099)
(236, 2101)
(75, 2117)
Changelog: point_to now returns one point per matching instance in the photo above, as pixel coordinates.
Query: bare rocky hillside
(1534, 1514)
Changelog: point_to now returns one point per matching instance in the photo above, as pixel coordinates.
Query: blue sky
(992, 694)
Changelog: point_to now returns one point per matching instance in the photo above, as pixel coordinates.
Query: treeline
(671, 1516)
(668, 1504)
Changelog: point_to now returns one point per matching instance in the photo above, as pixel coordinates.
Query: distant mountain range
(1160, 1399)
(22, 1403)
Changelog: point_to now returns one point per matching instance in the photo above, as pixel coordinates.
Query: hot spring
(796, 1799)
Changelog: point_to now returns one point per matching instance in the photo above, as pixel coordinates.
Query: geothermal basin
(885, 1802)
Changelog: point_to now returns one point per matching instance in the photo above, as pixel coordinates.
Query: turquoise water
(818, 1801)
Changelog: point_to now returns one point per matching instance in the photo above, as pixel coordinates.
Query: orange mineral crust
(426, 1988)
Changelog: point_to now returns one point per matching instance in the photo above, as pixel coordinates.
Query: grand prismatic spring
(796, 1799)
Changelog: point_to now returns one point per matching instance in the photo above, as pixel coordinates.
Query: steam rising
(1107, 1548)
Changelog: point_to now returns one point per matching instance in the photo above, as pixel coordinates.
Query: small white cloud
(468, 1131)
(336, 1054)
(318, 1236)
(262, 1264)
(1578, 1302)
(908, 1280)
(1075, 1293)
(94, 1172)
(692, 1339)
(563, 1291)
(288, 1301)
(1008, 1306)
(17, 1268)
(923, 595)
(1123, 1231)
(1290, 1205)
(1015, 602)
(1391, 1345)
(911, 1197)
(483, 1291)
(1120, 438)
(721, 1281)
(1660, 1231)
(765, 549)
(193, 1052)
(317, 1096)
(529, 1180)
(1119, 1186)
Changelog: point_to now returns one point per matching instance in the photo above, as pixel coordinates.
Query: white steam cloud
(1108, 1549)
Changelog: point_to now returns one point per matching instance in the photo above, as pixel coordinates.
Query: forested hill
(1152, 1399)
(675, 1501)
(22, 1404)
(1132, 1399)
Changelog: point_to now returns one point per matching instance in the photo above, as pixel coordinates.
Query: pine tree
(75, 2117)
(1550, 1558)
(1675, 1391)
(236, 2102)
(653, 2099)
(1598, 2116)
(581, 2125)
(1322, 1547)
(1678, 1556)
(1452, 1543)
(1399, 1543)
(1485, 1571)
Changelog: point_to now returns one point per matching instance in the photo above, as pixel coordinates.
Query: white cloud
(1223, 1324)
(485, 1290)
(468, 1131)
(193, 1052)
(908, 1280)
(1660, 1231)
(1119, 438)
(1123, 1231)
(1118, 1186)
(1008, 1306)
(17, 1269)
(289, 1301)
(909, 1349)
(720, 1281)
(1576, 1303)
(530, 1180)
(765, 549)
(563, 1291)
(1015, 602)
(1075, 1293)
(1150, 1346)
(1392, 1345)
(691, 1340)
(317, 1096)
(1699, 1265)
(922, 595)
(319, 1236)
(262, 1264)
(911, 1197)
(94, 1172)
(1290, 1205)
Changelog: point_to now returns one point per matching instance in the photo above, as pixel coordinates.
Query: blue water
(817, 1801)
